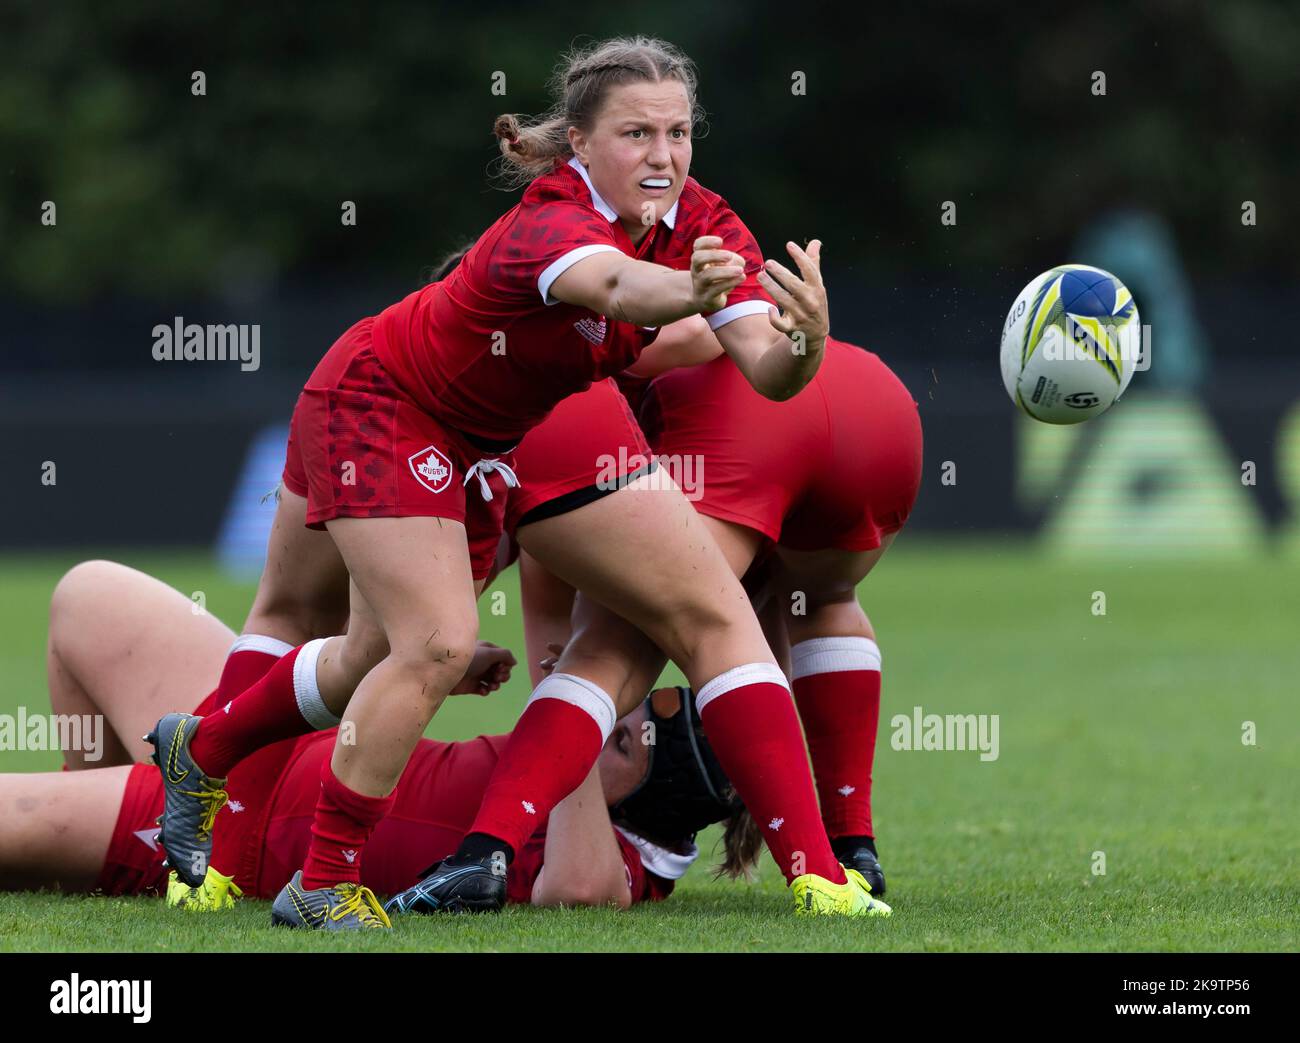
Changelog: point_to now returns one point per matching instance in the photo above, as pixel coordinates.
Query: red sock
(551, 750)
(248, 660)
(283, 704)
(749, 718)
(837, 689)
(343, 823)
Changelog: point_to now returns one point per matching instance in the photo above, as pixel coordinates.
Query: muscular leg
(819, 591)
(303, 592)
(55, 827)
(607, 649)
(548, 612)
(836, 681)
(681, 594)
(646, 556)
(415, 575)
(127, 646)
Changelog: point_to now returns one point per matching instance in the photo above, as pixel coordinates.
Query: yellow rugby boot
(816, 896)
(217, 893)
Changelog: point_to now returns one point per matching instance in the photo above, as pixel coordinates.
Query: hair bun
(506, 127)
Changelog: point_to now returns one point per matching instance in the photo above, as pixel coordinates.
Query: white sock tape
(738, 677)
(832, 655)
(578, 691)
(310, 704)
(260, 643)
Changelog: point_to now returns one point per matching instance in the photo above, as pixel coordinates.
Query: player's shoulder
(702, 211)
(697, 202)
(562, 187)
(556, 205)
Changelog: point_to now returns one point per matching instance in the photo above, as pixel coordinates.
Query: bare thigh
(55, 827)
(414, 575)
(303, 592)
(818, 590)
(646, 555)
(127, 646)
(548, 612)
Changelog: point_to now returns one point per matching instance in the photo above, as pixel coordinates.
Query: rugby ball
(1070, 345)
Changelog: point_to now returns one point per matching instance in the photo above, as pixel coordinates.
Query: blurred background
(1156, 140)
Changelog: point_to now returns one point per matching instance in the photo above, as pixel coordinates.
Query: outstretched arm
(583, 863)
(687, 342)
(779, 354)
(646, 294)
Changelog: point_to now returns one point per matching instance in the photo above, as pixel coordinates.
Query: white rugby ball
(1070, 345)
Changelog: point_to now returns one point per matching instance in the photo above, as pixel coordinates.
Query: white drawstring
(486, 467)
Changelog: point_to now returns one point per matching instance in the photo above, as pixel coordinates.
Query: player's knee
(439, 654)
(362, 650)
(835, 616)
(81, 585)
(700, 622)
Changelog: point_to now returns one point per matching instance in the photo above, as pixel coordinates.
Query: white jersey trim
(604, 209)
(669, 865)
(557, 268)
(732, 312)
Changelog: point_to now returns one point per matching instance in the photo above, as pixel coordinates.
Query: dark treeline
(903, 107)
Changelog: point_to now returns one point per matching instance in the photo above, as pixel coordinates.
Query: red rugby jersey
(434, 806)
(490, 352)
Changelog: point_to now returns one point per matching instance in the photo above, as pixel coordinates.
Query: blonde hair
(581, 82)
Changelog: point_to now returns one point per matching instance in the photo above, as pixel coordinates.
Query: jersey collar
(604, 209)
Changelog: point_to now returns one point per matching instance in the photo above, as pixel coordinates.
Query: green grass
(1120, 734)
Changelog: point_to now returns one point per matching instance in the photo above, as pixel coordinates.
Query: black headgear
(684, 788)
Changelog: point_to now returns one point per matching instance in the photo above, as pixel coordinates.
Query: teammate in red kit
(819, 486)
(91, 828)
(410, 407)
(816, 488)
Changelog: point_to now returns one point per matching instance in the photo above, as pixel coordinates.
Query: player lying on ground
(410, 407)
(817, 486)
(124, 645)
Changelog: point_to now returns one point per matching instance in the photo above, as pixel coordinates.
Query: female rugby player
(92, 828)
(412, 406)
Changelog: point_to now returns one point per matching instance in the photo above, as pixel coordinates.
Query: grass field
(1119, 734)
